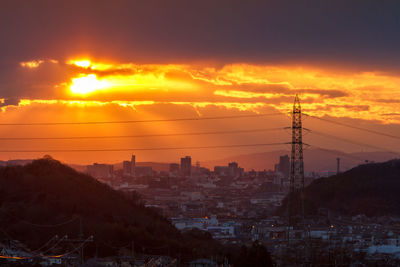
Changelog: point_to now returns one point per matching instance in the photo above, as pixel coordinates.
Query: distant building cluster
(283, 167)
(101, 170)
(238, 206)
(189, 193)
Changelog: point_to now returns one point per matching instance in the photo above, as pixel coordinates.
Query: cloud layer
(363, 95)
(356, 33)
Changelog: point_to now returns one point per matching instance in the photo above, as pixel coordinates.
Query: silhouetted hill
(48, 192)
(370, 189)
(46, 198)
(13, 162)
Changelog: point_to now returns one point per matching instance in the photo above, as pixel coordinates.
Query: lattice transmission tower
(296, 161)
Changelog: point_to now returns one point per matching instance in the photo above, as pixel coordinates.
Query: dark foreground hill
(46, 198)
(370, 189)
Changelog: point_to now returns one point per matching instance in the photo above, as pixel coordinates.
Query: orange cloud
(326, 91)
(125, 78)
(31, 64)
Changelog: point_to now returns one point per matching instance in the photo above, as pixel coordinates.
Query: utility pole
(81, 237)
(81, 240)
(133, 249)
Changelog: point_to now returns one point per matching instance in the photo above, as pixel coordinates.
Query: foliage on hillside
(46, 193)
(370, 189)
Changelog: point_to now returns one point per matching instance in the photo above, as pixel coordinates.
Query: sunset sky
(88, 61)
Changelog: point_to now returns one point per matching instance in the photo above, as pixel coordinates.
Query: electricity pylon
(296, 161)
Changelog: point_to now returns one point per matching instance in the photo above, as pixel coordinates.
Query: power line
(89, 239)
(34, 254)
(139, 136)
(45, 244)
(140, 149)
(49, 225)
(354, 127)
(12, 257)
(37, 251)
(50, 248)
(142, 121)
(73, 218)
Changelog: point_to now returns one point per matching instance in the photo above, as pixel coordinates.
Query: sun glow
(364, 95)
(87, 84)
(127, 78)
(31, 64)
(82, 63)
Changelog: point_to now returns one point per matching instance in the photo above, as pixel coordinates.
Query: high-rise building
(100, 170)
(133, 165)
(284, 165)
(143, 171)
(233, 169)
(221, 170)
(186, 166)
(276, 167)
(174, 168)
(126, 168)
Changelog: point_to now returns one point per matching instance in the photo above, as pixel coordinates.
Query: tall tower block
(133, 165)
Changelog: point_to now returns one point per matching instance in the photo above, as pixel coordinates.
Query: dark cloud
(322, 107)
(345, 33)
(322, 92)
(41, 82)
(389, 101)
(10, 102)
(283, 89)
(390, 114)
(259, 88)
(108, 72)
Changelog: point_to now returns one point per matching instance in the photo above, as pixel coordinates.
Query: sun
(82, 63)
(87, 84)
